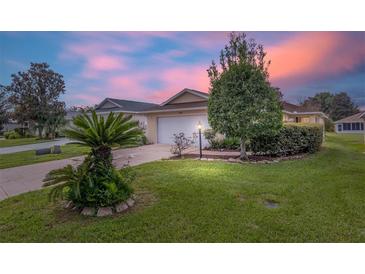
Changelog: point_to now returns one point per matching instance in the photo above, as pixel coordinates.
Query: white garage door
(168, 126)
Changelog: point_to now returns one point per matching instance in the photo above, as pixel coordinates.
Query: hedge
(291, 139)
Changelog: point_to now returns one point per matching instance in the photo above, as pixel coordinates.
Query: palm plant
(101, 134)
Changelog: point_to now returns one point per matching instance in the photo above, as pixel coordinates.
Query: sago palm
(101, 133)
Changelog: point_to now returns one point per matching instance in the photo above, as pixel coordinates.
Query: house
(182, 113)
(351, 124)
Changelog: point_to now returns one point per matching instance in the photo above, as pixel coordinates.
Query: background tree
(242, 103)
(342, 106)
(336, 106)
(4, 107)
(35, 94)
(55, 121)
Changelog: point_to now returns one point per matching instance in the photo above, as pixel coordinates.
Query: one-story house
(351, 124)
(182, 113)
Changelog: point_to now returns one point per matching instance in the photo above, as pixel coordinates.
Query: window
(362, 126)
(346, 126)
(339, 127)
(297, 119)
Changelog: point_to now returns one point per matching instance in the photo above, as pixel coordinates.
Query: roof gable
(358, 117)
(186, 96)
(123, 105)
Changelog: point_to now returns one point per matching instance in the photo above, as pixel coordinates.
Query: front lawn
(320, 199)
(29, 157)
(21, 141)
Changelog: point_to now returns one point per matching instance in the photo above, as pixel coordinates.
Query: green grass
(20, 141)
(29, 157)
(321, 199)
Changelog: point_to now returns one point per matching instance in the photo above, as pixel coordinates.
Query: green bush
(290, 140)
(231, 143)
(12, 135)
(90, 185)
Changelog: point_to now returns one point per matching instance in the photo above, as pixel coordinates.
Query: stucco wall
(303, 118)
(151, 132)
(187, 98)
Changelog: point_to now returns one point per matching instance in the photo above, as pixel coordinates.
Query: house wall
(349, 131)
(151, 132)
(187, 98)
(108, 105)
(291, 118)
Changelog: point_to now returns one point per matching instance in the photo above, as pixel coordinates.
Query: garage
(168, 126)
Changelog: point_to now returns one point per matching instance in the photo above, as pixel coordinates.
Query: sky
(152, 66)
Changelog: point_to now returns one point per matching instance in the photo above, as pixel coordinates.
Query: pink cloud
(87, 98)
(311, 55)
(178, 78)
(102, 63)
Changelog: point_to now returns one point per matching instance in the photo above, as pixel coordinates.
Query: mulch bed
(251, 158)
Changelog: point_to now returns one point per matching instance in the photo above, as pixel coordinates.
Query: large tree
(35, 94)
(4, 107)
(336, 106)
(242, 103)
(342, 106)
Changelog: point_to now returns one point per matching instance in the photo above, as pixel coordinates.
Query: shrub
(291, 139)
(96, 182)
(180, 143)
(90, 185)
(231, 143)
(12, 135)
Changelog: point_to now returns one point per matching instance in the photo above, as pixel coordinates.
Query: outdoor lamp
(200, 139)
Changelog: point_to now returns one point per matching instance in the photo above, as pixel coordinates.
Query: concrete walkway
(47, 144)
(16, 180)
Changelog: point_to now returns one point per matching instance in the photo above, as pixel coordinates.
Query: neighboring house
(299, 114)
(13, 124)
(352, 124)
(182, 113)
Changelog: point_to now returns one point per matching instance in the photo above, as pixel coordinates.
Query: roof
(71, 114)
(126, 105)
(186, 90)
(144, 107)
(293, 108)
(358, 117)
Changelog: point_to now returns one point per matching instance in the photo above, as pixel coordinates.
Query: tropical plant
(101, 134)
(89, 185)
(96, 182)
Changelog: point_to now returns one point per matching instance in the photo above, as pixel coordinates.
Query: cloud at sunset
(151, 66)
(312, 56)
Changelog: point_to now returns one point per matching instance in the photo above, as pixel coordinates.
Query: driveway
(13, 149)
(22, 179)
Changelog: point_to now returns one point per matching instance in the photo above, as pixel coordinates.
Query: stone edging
(104, 211)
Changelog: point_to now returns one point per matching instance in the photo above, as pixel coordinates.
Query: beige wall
(187, 98)
(108, 105)
(151, 132)
(315, 119)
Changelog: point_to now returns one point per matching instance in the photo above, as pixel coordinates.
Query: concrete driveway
(13, 149)
(16, 180)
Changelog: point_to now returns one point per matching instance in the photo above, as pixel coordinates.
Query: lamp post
(200, 140)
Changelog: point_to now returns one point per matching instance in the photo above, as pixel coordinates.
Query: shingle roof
(294, 108)
(135, 106)
(127, 105)
(358, 117)
(180, 106)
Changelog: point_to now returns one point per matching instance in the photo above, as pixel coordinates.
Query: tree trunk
(103, 154)
(243, 154)
(40, 131)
